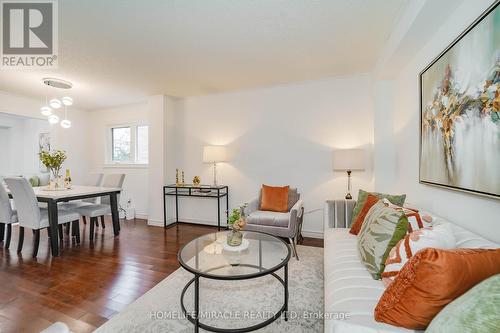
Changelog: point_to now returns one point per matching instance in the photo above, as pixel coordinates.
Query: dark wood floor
(87, 285)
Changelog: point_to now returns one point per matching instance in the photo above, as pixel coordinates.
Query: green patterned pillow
(381, 231)
(476, 311)
(397, 200)
(34, 181)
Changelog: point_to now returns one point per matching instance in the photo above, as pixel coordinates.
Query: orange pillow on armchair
(274, 198)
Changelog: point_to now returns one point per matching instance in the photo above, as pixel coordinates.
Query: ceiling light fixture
(66, 100)
(65, 123)
(53, 119)
(45, 111)
(55, 103)
(49, 109)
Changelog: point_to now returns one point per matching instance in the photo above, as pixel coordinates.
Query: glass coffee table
(210, 257)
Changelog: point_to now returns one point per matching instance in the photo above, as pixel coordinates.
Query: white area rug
(232, 304)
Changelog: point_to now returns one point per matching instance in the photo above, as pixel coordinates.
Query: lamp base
(348, 196)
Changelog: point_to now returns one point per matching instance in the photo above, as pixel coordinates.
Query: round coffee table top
(210, 256)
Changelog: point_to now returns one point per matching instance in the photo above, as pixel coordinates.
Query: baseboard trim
(159, 223)
(141, 216)
(312, 234)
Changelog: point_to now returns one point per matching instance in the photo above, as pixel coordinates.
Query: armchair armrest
(295, 214)
(252, 206)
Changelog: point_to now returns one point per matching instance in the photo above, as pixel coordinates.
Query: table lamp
(214, 154)
(348, 160)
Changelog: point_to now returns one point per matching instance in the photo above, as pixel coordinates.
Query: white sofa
(349, 288)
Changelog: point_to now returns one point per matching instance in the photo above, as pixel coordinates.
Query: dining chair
(94, 179)
(96, 211)
(7, 216)
(33, 217)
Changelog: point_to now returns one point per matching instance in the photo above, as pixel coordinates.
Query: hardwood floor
(87, 285)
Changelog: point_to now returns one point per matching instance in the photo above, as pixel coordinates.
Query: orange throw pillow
(274, 199)
(430, 280)
(356, 226)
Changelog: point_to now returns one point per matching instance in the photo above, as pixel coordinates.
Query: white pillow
(440, 236)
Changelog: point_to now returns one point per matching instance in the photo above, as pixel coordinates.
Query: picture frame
(460, 111)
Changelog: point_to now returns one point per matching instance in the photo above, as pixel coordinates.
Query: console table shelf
(200, 191)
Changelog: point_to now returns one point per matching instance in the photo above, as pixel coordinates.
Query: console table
(201, 191)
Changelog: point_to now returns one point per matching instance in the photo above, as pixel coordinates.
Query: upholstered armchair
(287, 224)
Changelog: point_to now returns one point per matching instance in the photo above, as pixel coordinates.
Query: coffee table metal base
(196, 320)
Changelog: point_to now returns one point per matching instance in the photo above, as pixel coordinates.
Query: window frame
(109, 153)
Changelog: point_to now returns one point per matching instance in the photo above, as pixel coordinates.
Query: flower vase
(234, 238)
(56, 182)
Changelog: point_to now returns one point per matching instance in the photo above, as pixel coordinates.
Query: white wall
(135, 186)
(73, 140)
(278, 135)
(473, 212)
(19, 144)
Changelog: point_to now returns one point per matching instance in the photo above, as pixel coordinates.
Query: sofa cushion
(349, 288)
(262, 217)
(381, 231)
(415, 297)
(370, 201)
(362, 195)
(477, 310)
(274, 198)
(440, 236)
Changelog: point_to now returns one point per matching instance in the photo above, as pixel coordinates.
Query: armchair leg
(293, 244)
(296, 245)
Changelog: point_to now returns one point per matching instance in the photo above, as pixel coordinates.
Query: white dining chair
(7, 217)
(94, 179)
(31, 216)
(94, 211)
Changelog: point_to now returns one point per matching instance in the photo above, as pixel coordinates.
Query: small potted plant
(237, 222)
(54, 160)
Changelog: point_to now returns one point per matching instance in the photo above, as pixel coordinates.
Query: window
(128, 144)
(121, 140)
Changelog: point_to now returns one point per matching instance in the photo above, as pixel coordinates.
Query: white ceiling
(119, 52)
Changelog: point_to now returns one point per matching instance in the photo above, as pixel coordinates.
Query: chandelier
(51, 106)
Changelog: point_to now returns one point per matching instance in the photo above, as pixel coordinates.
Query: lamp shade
(348, 159)
(213, 154)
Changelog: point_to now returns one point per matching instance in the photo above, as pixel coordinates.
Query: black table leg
(54, 227)
(164, 210)
(176, 206)
(114, 213)
(197, 303)
(286, 292)
(2, 231)
(218, 210)
(227, 207)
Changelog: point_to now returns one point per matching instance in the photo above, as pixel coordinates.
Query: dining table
(76, 192)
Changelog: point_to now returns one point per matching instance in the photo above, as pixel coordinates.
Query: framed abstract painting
(460, 111)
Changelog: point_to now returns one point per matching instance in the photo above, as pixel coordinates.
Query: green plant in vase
(54, 160)
(236, 223)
